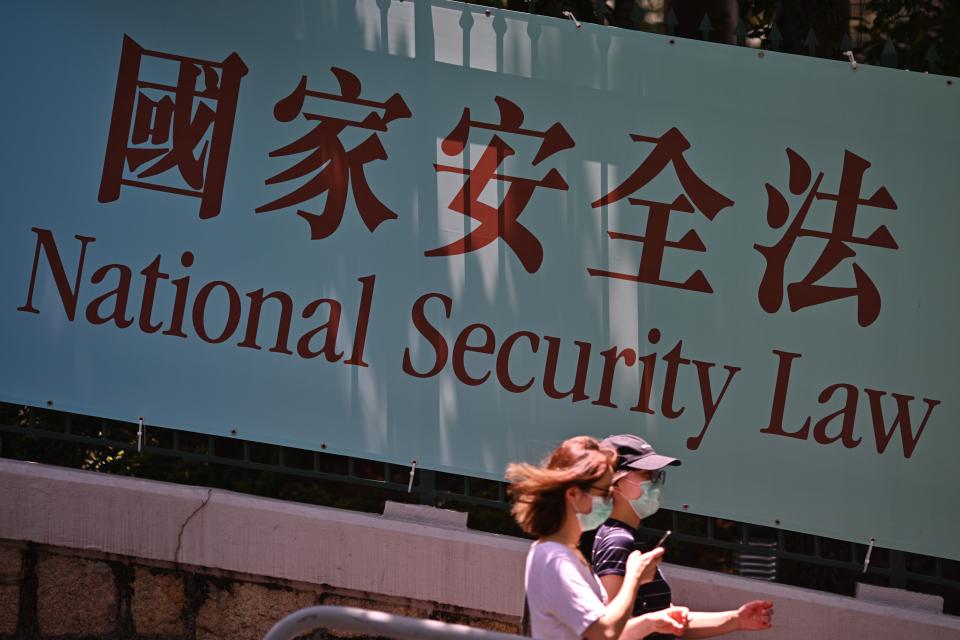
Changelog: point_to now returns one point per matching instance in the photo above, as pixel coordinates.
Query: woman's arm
(612, 583)
(671, 620)
(755, 615)
(706, 624)
(640, 568)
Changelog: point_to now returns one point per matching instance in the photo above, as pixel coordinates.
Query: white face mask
(598, 514)
(649, 502)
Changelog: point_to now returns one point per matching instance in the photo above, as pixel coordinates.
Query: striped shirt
(615, 540)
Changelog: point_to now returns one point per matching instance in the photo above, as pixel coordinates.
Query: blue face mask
(597, 516)
(648, 503)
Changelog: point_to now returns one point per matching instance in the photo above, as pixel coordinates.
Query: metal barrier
(376, 623)
(428, 487)
(762, 566)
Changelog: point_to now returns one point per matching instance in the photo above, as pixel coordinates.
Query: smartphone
(663, 539)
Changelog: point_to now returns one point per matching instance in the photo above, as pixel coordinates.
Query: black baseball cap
(633, 452)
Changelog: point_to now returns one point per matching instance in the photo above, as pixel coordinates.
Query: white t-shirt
(564, 597)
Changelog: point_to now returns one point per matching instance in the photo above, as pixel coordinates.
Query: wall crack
(203, 503)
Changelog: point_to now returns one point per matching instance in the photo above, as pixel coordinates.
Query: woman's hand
(644, 565)
(670, 620)
(755, 615)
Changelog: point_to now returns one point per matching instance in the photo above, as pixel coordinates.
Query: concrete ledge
(802, 614)
(374, 554)
(260, 536)
(422, 514)
(900, 598)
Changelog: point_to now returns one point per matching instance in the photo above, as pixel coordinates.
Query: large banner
(427, 231)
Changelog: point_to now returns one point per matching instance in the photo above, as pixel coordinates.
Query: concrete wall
(67, 594)
(304, 549)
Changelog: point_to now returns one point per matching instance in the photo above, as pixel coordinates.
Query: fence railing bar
(244, 462)
(377, 623)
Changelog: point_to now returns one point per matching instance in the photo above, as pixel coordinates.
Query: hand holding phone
(643, 565)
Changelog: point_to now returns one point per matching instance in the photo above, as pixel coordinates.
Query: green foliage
(924, 34)
(627, 14)
(914, 27)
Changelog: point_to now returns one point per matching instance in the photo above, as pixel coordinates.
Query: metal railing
(429, 487)
(762, 566)
(380, 624)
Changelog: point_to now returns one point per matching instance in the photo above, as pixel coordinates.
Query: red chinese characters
(501, 221)
(809, 291)
(157, 127)
(669, 149)
(337, 170)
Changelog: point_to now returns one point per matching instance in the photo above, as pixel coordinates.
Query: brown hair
(539, 504)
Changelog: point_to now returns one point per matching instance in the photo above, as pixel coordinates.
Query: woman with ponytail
(565, 600)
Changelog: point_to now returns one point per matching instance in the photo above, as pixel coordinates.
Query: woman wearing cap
(565, 600)
(637, 486)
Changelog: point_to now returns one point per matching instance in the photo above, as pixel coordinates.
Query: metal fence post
(428, 487)
(898, 569)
